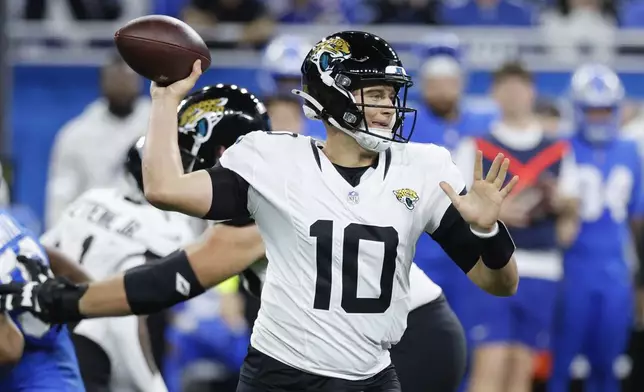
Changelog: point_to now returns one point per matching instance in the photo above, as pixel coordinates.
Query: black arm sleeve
(229, 195)
(455, 236)
(152, 287)
(457, 240)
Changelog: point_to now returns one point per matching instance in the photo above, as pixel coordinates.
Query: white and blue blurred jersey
(49, 361)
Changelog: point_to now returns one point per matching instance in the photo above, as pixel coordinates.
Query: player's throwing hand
(178, 89)
(480, 207)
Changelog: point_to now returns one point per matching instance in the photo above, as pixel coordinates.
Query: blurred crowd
(587, 19)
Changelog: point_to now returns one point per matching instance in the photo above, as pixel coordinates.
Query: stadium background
(50, 69)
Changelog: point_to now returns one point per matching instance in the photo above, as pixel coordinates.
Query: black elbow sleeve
(156, 286)
(229, 195)
(457, 240)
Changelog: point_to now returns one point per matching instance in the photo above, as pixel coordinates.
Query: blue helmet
(596, 88)
(281, 65)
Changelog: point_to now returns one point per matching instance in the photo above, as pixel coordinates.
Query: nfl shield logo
(353, 197)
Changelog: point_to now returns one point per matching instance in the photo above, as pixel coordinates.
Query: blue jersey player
(596, 296)
(278, 75)
(541, 214)
(443, 119)
(48, 361)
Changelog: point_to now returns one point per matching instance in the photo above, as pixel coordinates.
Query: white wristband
(492, 233)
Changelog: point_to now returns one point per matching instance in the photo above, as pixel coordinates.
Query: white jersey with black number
(422, 290)
(336, 294)
(108, 231)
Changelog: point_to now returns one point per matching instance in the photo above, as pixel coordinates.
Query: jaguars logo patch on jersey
(407, 196)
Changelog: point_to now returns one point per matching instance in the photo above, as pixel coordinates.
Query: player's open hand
(179, 89)
(481, 206)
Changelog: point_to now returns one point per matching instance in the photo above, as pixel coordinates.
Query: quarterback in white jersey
(339, 221)
(108, 231)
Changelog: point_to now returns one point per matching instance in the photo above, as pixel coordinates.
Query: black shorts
(94, 364)
(432, 354)
(261, 373)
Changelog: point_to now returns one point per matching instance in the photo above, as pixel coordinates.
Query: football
(161, 48)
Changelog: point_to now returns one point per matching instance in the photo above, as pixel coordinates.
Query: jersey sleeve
(568, 183)
(464, 157)
(244, 159)
(450, 174)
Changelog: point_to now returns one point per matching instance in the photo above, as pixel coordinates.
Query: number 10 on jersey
(322, 230)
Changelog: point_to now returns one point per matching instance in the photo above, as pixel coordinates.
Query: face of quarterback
(382, 95)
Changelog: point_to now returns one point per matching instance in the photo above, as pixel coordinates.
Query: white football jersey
(108, 231)
(422, 290)
(104, 229)
(336, 294)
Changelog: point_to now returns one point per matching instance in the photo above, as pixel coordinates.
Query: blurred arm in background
(62, 265)
(67, 177)
(12, 341)
(566, 201)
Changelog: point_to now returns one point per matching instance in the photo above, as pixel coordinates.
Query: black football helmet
(215, 117)
(209, 119)
(348, 61)
(134, 163)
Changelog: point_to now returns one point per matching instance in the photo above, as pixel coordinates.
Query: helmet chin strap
(364, 139)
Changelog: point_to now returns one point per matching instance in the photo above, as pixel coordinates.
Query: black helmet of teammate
(133, 162)
(212, 119)
(346, 62)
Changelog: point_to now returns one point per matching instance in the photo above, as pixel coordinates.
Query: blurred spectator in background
(318, 11)
(487, 13)
(278, 75)
(258, 23)
(549, 116)
(443, 119)
(511, 330)
(89, 149)
(407, 11)
(208, 339)
(580, 29)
